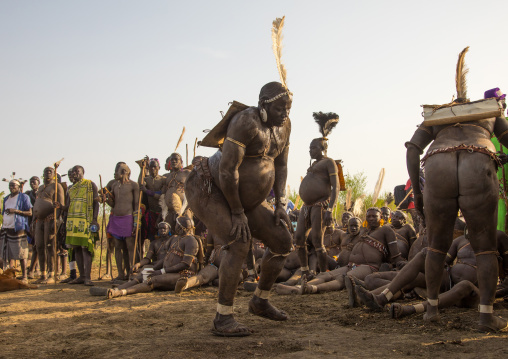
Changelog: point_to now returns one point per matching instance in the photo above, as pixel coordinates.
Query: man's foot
(287, 290)
(352, 297)
(263, 308)
(63, 277)
(30, 275)
(24, 280)
(305, 288)
(42, 280)
(37, 273)
(50, 280)
(432, 314)
(250, 286)
(227, 326)
(113, 293)
(368, 299)
(181, 285)
(99, 291)
(67, 280)
(398, 311)
(88, 283)
(358, 282)
(105, 276)
(78, 280)
(490, 323)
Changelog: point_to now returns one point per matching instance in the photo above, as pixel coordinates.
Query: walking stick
(102, 227)
(139, 214)
(180, 139)
(195, 144)
(186, 154)
(56, 165)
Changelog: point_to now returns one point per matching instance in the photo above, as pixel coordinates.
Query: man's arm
(393, 248)
(333, 173)
(421, 139)
(452, 252)
(501, 130)
(95, 204)
(191, 250)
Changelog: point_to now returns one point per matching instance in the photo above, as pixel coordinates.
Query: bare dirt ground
(64, 321)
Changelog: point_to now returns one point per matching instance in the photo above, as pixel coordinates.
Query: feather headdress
(326, 122)
(277, 26)
(460, 77)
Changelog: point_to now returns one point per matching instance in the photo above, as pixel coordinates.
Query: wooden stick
(195, 144)
(139, 215)
(102, 227)
(186, 154)
(407, 195)
(56, 164)
(180, 139)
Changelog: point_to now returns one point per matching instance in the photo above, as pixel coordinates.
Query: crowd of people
(212, 220)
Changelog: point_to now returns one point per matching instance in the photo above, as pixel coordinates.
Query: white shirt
(9, 218)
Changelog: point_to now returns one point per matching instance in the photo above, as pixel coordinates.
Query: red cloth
(411, 197)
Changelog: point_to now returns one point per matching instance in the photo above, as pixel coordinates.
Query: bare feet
(88, 283)
(263, 308)
(227, 326)
(105, 276)
(286, 289)
(305, 288)
(67, 280)
(491, 323)
(113, 293)
(368, 299)
(78, 280)
(181, 285)
(432, 314)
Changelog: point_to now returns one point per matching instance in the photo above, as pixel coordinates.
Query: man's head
(385, 214)
(373, 217)
(274, 103)
(398, 219)
(174, 162)
(317, 147)
(122, 172)
(34, 183)
(78, 173)
(163, 229)
(346, 216)
(48, 174)
(496, 93)
(153, 167)
(354, 224)
(14, 187)
(184, 225)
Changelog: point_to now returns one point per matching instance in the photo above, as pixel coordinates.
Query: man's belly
(314, 188)
(42, 209)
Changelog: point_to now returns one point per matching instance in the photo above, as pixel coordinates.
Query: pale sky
(98, 82)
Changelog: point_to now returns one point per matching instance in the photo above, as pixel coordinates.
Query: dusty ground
(64, 321)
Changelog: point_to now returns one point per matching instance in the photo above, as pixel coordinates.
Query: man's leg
(41, 248)
(129, 241)
(205, 276)
(87, 266)
(120, 249)
(301, 245)
(78, 252)
(50, 240)
(316, 234)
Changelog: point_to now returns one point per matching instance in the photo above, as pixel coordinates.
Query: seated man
(377, 245)
(386, 215)
(181, 260)
(348, 240)
(209, 273)
(410, 276)
(404, 232)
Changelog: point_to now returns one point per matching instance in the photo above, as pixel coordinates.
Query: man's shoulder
(248, 118)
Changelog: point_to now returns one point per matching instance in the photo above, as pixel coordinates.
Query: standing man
(318, 190)
(123, 197)
(227, 192)
(152, 188)
(13, 236)
(45, 236)
(465, 156)
(173, 189)
(82, 210)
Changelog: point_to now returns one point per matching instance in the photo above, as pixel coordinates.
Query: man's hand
(419, 204)
(328, 218)
(135, 267)
(280, 214)
(11, 211)
(57, 205)
(240, 227)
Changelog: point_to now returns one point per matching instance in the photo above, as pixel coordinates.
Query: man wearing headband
(152, 189)
(173, 190)
(17, 208)
(45, 236)
(228, 190)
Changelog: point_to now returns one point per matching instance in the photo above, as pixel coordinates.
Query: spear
(139, 213)
(195, 144)
(180, 139)
(102, 226)
(55, 165)
(186, 154)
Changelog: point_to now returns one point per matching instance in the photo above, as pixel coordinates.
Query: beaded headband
(275, 98)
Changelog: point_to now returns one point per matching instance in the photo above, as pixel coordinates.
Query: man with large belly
(464, 155)
(318, 191)
(227, 192)
(45, 237)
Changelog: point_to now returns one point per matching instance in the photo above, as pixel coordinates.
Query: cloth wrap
(13, 245)
(306, 209)
(80, 216)
(120, 226)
